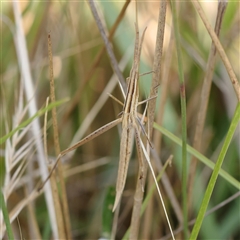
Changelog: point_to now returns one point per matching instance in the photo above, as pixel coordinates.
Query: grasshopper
(130, 122)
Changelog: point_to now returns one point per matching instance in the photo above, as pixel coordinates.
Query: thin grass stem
(205, 93)
(110, 53)
(66, 228)
(155, 82)
(219, 48)
(199, 156)
(216, 171)
(95, 63)
(6, 217)
(29, 120)
(184, 116)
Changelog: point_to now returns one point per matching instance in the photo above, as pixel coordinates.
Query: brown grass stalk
(95, 63)
(219, 48)
(138, 198)
(53, 178)
(23, 60)
(33, 224)
(204, 99)
(66, 227)
(157, 141)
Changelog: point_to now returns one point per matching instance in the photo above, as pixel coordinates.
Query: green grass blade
(198, 155)
(153, 188)
(107, 214)
(29, 120)
(215, 173)
(149, 195)
(6, 217)
(184, 121)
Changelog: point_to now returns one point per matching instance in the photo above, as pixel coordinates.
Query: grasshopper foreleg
(81, 142)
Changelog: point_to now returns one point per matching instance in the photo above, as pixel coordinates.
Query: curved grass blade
(198, 155)
(216, 171)
(29, 120)
(6, 217)
(107, 214)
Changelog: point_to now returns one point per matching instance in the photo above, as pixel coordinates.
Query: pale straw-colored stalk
(23, 60)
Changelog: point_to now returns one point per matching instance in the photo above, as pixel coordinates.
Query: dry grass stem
(158, 189)
(86, 167)
(99, 103)
(210, 211)
(45, 131)
(157, 64)
(157, 140)
(64, 213)
(110, 53)
(18, 208)
(156, 73)
(219, 48)
(205, 93)
(23, 61)
(32, 221)
(96, 61)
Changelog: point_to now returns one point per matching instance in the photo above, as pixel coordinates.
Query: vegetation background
(91, 171)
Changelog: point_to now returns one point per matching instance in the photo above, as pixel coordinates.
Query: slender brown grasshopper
(130, 122)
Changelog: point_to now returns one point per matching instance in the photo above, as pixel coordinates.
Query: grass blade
(184, 117)
(198, 155)
(215, 173)
(6, 217)
(29, 120)
(107, 215)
